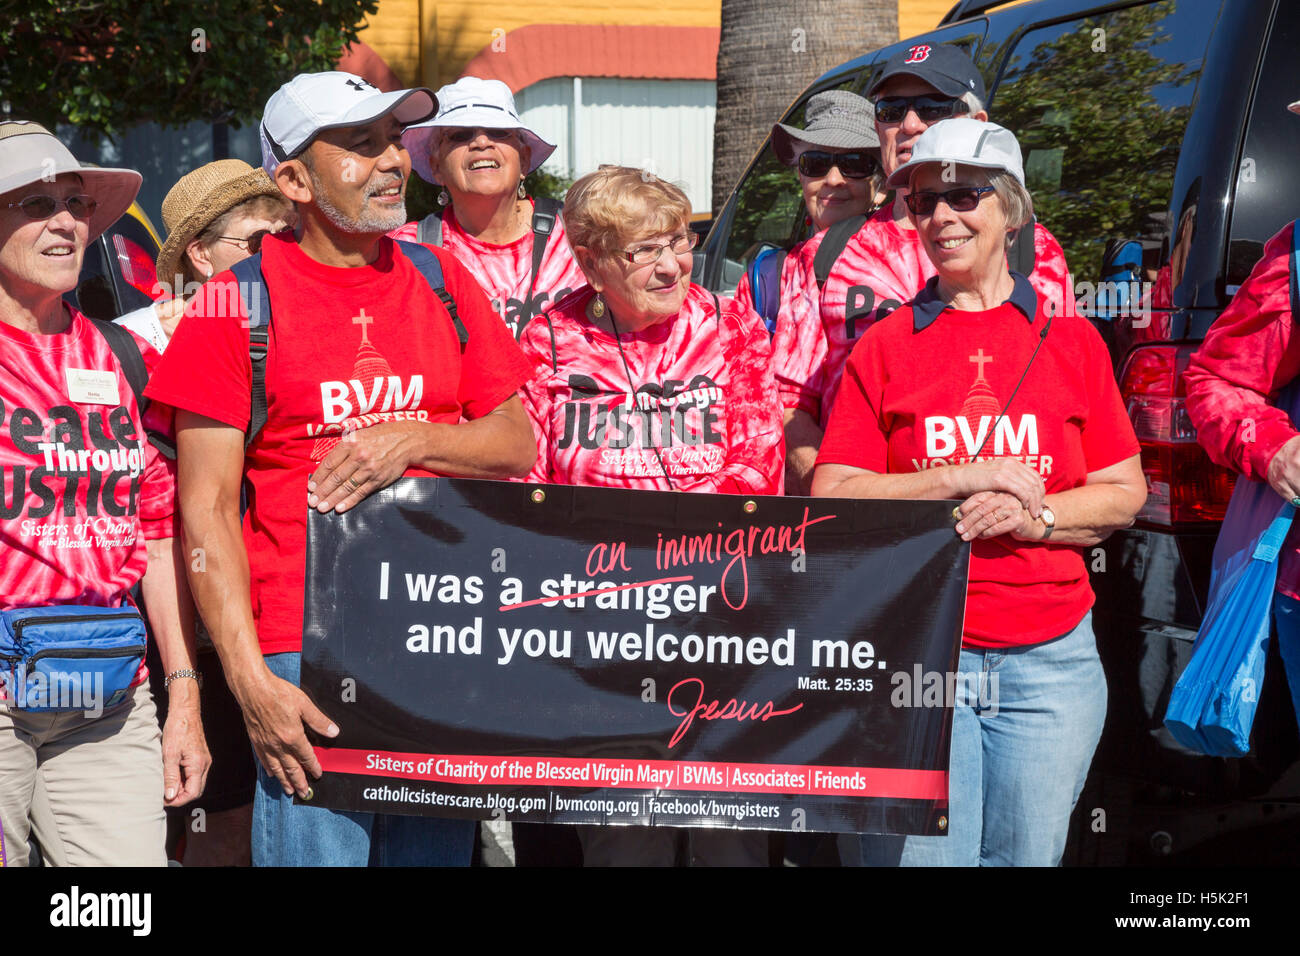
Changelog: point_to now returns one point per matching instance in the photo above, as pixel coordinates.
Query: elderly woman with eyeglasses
(975, 392)
(215, 216)
(86, 513)
(647, 381)
(478, 151)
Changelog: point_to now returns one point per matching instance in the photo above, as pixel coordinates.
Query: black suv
(1159, 153)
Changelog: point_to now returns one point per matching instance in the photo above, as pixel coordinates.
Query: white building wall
(665, 126)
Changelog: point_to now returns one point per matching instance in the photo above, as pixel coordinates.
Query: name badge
(89, 386)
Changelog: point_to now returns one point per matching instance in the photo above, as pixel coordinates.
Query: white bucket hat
(472, 103)
(966, 142)
(313, 102)
(30, 154)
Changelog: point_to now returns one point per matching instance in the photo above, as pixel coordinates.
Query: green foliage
(103, 65)
(1100, 150)
(542, 183)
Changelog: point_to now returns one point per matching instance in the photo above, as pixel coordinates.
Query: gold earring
(598, 307)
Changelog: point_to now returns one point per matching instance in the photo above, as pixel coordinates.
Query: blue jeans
(289, 835)
(1025, 724)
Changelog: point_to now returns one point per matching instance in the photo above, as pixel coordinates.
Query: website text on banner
(598, 655)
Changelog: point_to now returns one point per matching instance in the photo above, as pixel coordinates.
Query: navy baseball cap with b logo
(947, 68)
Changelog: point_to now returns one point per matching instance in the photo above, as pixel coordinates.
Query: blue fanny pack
(70, 657)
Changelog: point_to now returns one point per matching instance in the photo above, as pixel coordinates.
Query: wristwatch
(1049, 519)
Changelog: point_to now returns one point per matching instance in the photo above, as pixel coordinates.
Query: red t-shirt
(921, 399)
(349, 348)
(83, 488)
(881, 268)
(504, 271)
(704, 398)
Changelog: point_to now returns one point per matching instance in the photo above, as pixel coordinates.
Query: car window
(1268, 189)
(1099, 106)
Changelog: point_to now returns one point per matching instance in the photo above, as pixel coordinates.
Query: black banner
(591, 655)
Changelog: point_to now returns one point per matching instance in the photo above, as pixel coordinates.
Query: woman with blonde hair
(647, 381)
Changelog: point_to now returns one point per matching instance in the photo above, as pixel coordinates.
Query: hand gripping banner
(588, 655)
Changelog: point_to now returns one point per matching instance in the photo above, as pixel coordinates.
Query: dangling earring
(521, 192)
(598, 307)
(443, 197)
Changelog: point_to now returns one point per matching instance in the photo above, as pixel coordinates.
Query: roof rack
(968, 8)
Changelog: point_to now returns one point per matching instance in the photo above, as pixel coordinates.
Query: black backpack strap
(257, 304)
(428, 266)
(545, 210)
(837, 237)
(127, 353)
(1021, 255)
(429, 231)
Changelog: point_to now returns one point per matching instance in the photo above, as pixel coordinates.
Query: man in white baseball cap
(392, 345)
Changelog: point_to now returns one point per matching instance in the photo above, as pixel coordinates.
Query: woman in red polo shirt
(972, 392)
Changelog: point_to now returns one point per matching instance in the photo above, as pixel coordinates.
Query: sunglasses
(892, 109)
(252, 243)
(961, 199)
(858, 164)
(43, 207)
(465, 134)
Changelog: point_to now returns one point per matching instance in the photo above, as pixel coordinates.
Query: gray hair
(1017, 204)
(972, 102)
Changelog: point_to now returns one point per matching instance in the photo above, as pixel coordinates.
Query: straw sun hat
(199, 197)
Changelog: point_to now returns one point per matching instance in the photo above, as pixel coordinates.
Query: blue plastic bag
(1212, 707)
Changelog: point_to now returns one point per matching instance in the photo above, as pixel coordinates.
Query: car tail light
(1183, 485)
(136, 267)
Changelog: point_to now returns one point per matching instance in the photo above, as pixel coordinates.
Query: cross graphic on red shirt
(363, 320)
(979, 359)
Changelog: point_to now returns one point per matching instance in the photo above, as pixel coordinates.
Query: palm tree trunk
(769, 51)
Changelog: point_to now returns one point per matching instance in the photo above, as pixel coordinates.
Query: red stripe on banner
(476, 770)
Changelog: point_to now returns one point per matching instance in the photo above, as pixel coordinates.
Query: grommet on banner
(310, 793)
(751, 506)
(538, 495)
(943, 823)
(956, 513)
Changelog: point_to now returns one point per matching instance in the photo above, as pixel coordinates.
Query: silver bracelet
(176, 675)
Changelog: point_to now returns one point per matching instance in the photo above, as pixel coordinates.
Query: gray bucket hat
(835, 119)
(30, 154)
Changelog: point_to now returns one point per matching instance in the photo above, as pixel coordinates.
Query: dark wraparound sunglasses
(858, 164)
(892, 109)
(961, 199)
(43, 207)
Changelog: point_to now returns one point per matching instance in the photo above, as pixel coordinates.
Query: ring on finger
(352, 485)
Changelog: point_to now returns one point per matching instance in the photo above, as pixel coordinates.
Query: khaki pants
(89, 789)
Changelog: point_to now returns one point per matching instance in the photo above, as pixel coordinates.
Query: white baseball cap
(473, 103)
(967, 142)
(313, 102)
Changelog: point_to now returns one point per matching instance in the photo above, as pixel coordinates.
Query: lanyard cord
(1042, 337)
(613, 323)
